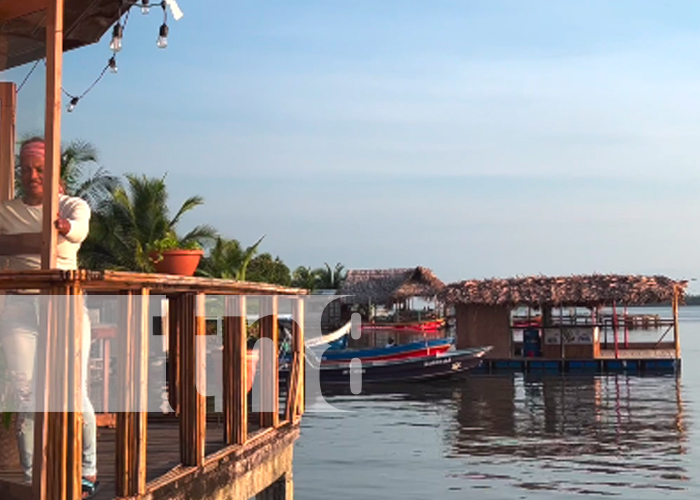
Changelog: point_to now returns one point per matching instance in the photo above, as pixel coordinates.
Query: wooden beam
(57, 468)
(676, 337)
(192, 401)
(52, 129)
(12, 9)
(269, 365)
(235, 377)
(74, 339)
(295, 385)
(8, 119)
(174, 353)
(300, 350)
(132, 413)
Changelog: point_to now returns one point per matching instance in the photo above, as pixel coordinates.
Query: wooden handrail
(58, 454)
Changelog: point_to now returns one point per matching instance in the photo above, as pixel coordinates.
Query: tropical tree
(331, 279)
(228, 260)
(265, 269)
(305, 277)
(125, 227)
(81, 173)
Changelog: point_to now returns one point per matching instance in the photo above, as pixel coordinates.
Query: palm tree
(79, 179)
(332, 279)
(228, 260)
(305, 277)
(266, 269)
(126, 225)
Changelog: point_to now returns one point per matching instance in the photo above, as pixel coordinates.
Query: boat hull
(417, 369)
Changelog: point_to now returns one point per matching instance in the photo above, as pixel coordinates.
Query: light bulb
(163, 37)
(73, 104)
(116, 44)
(145, 7)
(112, 64)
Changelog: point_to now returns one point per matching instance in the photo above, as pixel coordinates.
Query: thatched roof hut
(568, 291)
(388, 286)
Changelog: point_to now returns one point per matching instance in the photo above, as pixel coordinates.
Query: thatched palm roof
(387, 286)
(23, 27)
(565, 291)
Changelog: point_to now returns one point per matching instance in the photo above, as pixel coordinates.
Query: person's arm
(76, 222)
(17, 244)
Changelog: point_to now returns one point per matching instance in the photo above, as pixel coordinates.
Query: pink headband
(35, 148)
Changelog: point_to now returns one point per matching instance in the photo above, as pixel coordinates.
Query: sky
(487, 138)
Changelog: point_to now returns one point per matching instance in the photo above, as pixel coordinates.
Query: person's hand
(63, 225)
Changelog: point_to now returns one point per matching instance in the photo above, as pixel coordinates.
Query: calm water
(512, 436)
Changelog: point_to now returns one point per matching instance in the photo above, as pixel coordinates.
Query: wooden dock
(642, 361)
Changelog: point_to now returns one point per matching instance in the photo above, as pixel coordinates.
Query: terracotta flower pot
(179, 262)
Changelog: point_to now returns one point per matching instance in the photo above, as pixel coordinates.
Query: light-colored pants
(19, 331)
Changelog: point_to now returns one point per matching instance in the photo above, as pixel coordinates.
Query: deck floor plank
(163, 452)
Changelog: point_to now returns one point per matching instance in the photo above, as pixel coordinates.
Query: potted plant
(171, 256)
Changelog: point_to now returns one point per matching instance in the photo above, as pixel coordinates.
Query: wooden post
(74, 338)
(57, 467)
(627, 330)
(8, 115)
(676, 338)
(235, 371)
(193, 409)
(132, 411)
(617, 347)
(269, 366)
(174, 352)
(297, 402)
(52, 130)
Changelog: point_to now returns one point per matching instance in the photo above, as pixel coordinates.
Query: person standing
(19, 319)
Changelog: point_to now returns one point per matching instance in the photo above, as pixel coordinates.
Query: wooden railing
(57, 469)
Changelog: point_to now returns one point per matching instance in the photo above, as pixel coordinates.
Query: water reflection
(570, 428)
(509, 436)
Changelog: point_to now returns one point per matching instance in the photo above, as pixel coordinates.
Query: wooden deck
(163, 452)
(154, 456)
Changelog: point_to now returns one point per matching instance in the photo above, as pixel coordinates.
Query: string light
(117, 34)
(73, 104)
(162, 41)
(116, 44)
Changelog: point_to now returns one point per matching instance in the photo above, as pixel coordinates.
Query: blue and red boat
(395, 352)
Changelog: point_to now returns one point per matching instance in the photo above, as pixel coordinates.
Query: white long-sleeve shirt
(17, 217)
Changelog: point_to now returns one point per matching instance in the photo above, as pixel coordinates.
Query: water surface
(512, 436)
